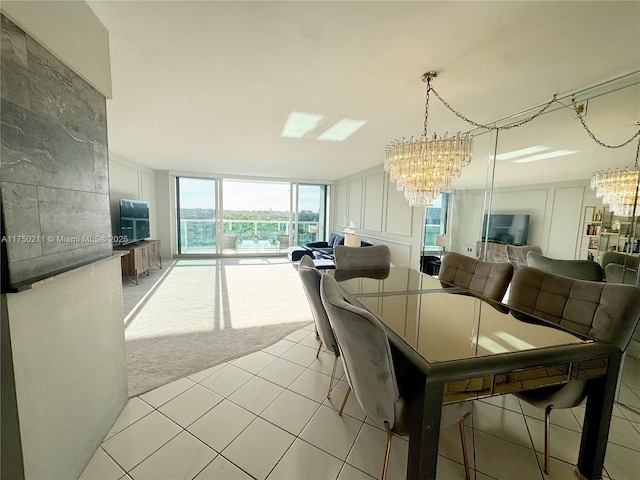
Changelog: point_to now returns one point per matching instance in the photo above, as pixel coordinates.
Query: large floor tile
(279, 348)
(304, 461)
(450, 444)
(220, 425)
(222, 469)
(162, 395)
(311, 384)
(298, 335)
(136, 442)
(505, 460)
(565, 443)
(182, 458)
(311, 341)
(351, 473)
(622, 463)
(199, 376)
(449, 470)
(510, 402)
(623, 433)
(256, 394)
(367, 453)
(282, 372)
(190, 405)
(324, 364)
(497, 421)
(291, 411)
(226, 380)
(301, 355)
(254, 362)
(101, 467)
(332, 433)
(133, 411)
(259, 448)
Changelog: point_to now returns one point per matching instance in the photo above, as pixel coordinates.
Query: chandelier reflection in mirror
(619, 189)
(423, 167)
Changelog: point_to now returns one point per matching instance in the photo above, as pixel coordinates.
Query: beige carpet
(204, 312)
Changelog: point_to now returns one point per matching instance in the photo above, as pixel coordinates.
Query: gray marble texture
(64, 97)
(72, 219)
(20, 208)
(14, 74)
(37, 152)
(53, 161)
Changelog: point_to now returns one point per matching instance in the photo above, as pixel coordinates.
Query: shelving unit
(602, 231)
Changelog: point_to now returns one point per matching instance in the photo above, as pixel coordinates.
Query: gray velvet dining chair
(517, 254)
(578, 269)
(487, 279)
(354, 258)
(604, 311)
(310, 278)
(387, 398)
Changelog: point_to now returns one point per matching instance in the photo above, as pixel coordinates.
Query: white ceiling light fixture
(423, 167)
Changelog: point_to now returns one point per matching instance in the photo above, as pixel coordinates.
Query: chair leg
(385, 464)
(333, 375)
(463, 441)
(319, 348)
(344, 402)
(547, 437)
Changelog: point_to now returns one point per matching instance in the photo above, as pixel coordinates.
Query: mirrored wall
(531, 185)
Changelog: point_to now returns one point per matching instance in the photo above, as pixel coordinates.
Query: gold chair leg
(319, 348)
(333, 375)
(385, 465)
(547, 437)
(344, 402)
(463, 441)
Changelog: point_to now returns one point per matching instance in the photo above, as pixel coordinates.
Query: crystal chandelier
(619, 189)
(423, 167)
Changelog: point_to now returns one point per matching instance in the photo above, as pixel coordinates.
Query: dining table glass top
(390, 280)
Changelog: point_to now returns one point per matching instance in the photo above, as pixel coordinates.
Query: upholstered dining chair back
(366, 354)
(310, 278)
(353, 258)
(578, 269)
(605, 311)
(517, 254)
(487, 279)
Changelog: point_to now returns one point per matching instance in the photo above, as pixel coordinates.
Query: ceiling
(207, 86)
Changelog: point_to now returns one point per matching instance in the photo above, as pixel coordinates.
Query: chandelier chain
(426, 107)
(490, 127)
(602, 144)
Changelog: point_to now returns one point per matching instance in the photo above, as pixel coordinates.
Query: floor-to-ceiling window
(196, 214)
(238, 216)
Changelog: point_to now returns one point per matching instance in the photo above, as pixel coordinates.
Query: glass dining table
(466, 347)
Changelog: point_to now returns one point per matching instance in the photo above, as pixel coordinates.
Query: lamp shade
(443, 241)
(352, 240)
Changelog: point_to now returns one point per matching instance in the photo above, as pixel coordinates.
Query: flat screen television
(134, 220)
(506, 229)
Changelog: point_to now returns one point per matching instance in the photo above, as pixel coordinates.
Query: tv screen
(506, 229)
(134, 220)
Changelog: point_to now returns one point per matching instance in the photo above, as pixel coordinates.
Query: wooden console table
(141, 255)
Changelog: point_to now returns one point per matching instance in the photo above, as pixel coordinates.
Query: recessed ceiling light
(298, 124)
(521, 153)
(544, 156)
(341, 130)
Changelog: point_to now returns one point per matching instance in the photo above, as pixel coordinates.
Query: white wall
(128, 179)
(368, 203)
(72, 32)
(67, 338)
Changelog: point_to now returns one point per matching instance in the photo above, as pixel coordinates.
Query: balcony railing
(242, 236)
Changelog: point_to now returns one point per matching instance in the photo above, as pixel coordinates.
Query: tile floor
(265, 415)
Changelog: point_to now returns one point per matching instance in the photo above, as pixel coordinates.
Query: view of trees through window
(255, 216)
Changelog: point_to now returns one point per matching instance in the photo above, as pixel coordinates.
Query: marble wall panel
(54, 162)
(63, 96)
(71, 219)
(20, 206)
(14, 74)
(101, 167)
(37, 152)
